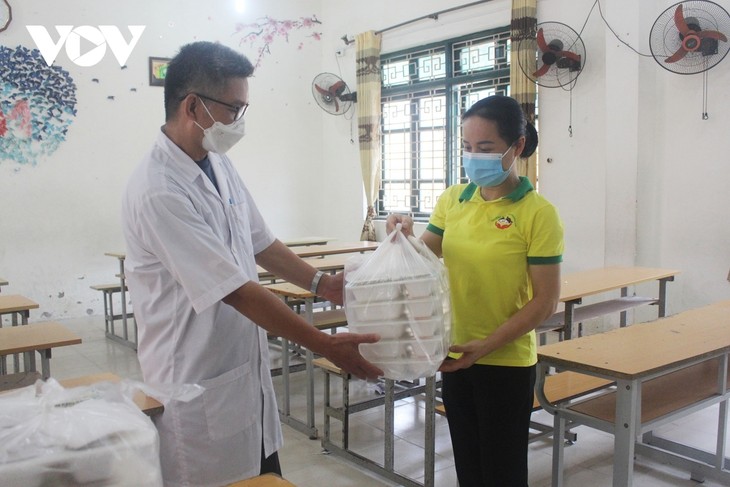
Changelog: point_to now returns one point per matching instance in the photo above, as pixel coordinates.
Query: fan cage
(665, 39)
(333, 105)
(530, 55)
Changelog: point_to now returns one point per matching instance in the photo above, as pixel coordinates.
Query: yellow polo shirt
(487, 248)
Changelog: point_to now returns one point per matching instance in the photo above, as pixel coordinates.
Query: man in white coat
(194, 238)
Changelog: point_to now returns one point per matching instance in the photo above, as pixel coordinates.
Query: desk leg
(123, 294)
(558, 448)
(285, 375)
(663, 295)
(722, 419)
(388, 461)
(624, 293)
(569, 314)
(45, 363)
(430, 433)
(309, 357)
(628, 395)
(28, 357)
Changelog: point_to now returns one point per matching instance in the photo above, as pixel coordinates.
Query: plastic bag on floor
(91, 435)
(401, 292)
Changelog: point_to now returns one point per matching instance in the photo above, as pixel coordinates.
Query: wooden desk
(149, 405)
(40, 337)
(335, 248)
(18, 306)
(330, 263)
(267, 480)
(304, 241)
(124, 339)
(578, 285)
(642, 360)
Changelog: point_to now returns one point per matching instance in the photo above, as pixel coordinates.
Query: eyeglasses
(238, 112)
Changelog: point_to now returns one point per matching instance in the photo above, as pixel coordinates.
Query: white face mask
(219, 138)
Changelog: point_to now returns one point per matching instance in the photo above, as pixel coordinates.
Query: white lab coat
(187, 248)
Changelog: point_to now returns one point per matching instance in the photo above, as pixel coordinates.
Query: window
(425, 91)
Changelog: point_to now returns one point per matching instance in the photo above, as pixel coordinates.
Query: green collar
(519, 192)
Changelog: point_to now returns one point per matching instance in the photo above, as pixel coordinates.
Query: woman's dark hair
(202, 67)
(510, 120)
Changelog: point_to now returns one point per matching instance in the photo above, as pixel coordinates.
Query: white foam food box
(411, 315)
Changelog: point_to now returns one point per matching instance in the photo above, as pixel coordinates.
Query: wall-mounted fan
(690, 37)
(332, 94)
(554, 57)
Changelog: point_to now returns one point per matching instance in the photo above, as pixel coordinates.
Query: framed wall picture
(158, 70)
(6, 14)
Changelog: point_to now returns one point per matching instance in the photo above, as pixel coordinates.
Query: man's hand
(343, 351)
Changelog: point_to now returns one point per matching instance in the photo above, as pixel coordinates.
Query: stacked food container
(401, 293)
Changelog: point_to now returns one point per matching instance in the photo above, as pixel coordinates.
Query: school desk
(663, 370)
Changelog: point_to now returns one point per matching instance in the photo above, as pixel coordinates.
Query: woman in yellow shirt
(502, 244)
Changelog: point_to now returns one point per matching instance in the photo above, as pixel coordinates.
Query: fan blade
(712, 34)
(541, 40)
(544, 69)
(680, 22)
(337, 88)
(676, 56)
(570, 55)
(337, 105)
(322, 90)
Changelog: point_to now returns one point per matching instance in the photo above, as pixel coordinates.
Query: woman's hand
(470, 353)
(405, 221)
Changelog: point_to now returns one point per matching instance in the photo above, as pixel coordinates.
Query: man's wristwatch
(315, 281)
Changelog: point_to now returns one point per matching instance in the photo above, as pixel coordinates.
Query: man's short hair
(202, 67)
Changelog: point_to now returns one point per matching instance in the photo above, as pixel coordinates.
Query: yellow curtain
(368, 122)
(523, 26)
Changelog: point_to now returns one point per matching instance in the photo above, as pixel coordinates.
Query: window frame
(448, 86)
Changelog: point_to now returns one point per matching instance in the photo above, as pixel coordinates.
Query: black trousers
(488, 410)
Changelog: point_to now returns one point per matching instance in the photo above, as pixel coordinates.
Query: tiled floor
(588, 461)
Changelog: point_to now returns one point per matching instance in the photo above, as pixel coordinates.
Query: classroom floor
(588, 461)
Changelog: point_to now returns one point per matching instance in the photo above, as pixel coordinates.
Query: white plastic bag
(91, 435)
(400, 292)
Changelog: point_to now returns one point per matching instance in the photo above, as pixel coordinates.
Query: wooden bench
(559, 388)
(110, 317)
(662, 395)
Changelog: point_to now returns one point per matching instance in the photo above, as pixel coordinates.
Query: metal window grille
(425, 91)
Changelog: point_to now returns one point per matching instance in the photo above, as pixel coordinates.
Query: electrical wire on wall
(350, 117)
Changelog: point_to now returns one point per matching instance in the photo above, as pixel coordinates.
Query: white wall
(640, 182)
(59, 217)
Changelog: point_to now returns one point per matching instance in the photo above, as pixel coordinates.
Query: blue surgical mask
(484, 169)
